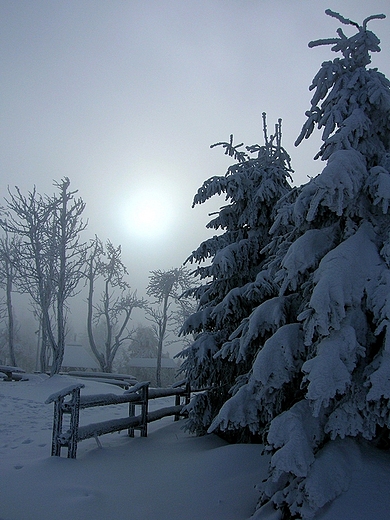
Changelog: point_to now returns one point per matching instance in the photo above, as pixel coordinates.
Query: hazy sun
(148, 213)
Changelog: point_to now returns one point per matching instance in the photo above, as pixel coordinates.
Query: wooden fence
(69, 401)
(12, 373)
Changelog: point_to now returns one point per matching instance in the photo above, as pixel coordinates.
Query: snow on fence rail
(122, 380)
(69, 401)
(12, 373)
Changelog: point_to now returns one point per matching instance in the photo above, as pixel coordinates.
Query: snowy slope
(168, 476)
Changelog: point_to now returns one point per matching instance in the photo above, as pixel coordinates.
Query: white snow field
(170, 475)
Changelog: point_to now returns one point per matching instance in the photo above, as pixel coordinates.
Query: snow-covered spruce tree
(320, 384)
(252, 185)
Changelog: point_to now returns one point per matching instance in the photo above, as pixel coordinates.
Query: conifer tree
(252, 185)
(320, 381)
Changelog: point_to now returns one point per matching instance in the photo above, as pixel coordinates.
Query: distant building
(77, 358)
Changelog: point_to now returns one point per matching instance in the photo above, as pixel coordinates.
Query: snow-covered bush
(320, 381)
(227, 263)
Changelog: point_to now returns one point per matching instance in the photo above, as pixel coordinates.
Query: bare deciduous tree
(165, 286)
(51, 256)
(8, 251)
(116, 301)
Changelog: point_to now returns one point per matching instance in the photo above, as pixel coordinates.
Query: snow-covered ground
(170, 475)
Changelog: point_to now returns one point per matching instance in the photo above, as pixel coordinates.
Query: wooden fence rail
(69, 401)
(12, 373)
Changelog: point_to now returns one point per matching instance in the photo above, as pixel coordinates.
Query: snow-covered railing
(122, 380)
(12, 373)
(69, 401)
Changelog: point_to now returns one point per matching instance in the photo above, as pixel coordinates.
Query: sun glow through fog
(148, 213)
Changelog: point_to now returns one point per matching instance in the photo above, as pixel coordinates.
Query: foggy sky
(127, 96)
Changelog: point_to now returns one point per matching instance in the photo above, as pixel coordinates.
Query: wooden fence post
(69, 438)
(186, 394)
(74, 406)
(57, 427)
(144, 410)
(130, 431)
(177, 402)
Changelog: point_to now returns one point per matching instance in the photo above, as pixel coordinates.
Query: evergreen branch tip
(341, 18)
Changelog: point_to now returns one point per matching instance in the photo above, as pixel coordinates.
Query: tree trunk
(107, 317)
(162, 331)
(99, 357)
(43, 353)
(11, 328)
(159, 356)
(59, 348)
